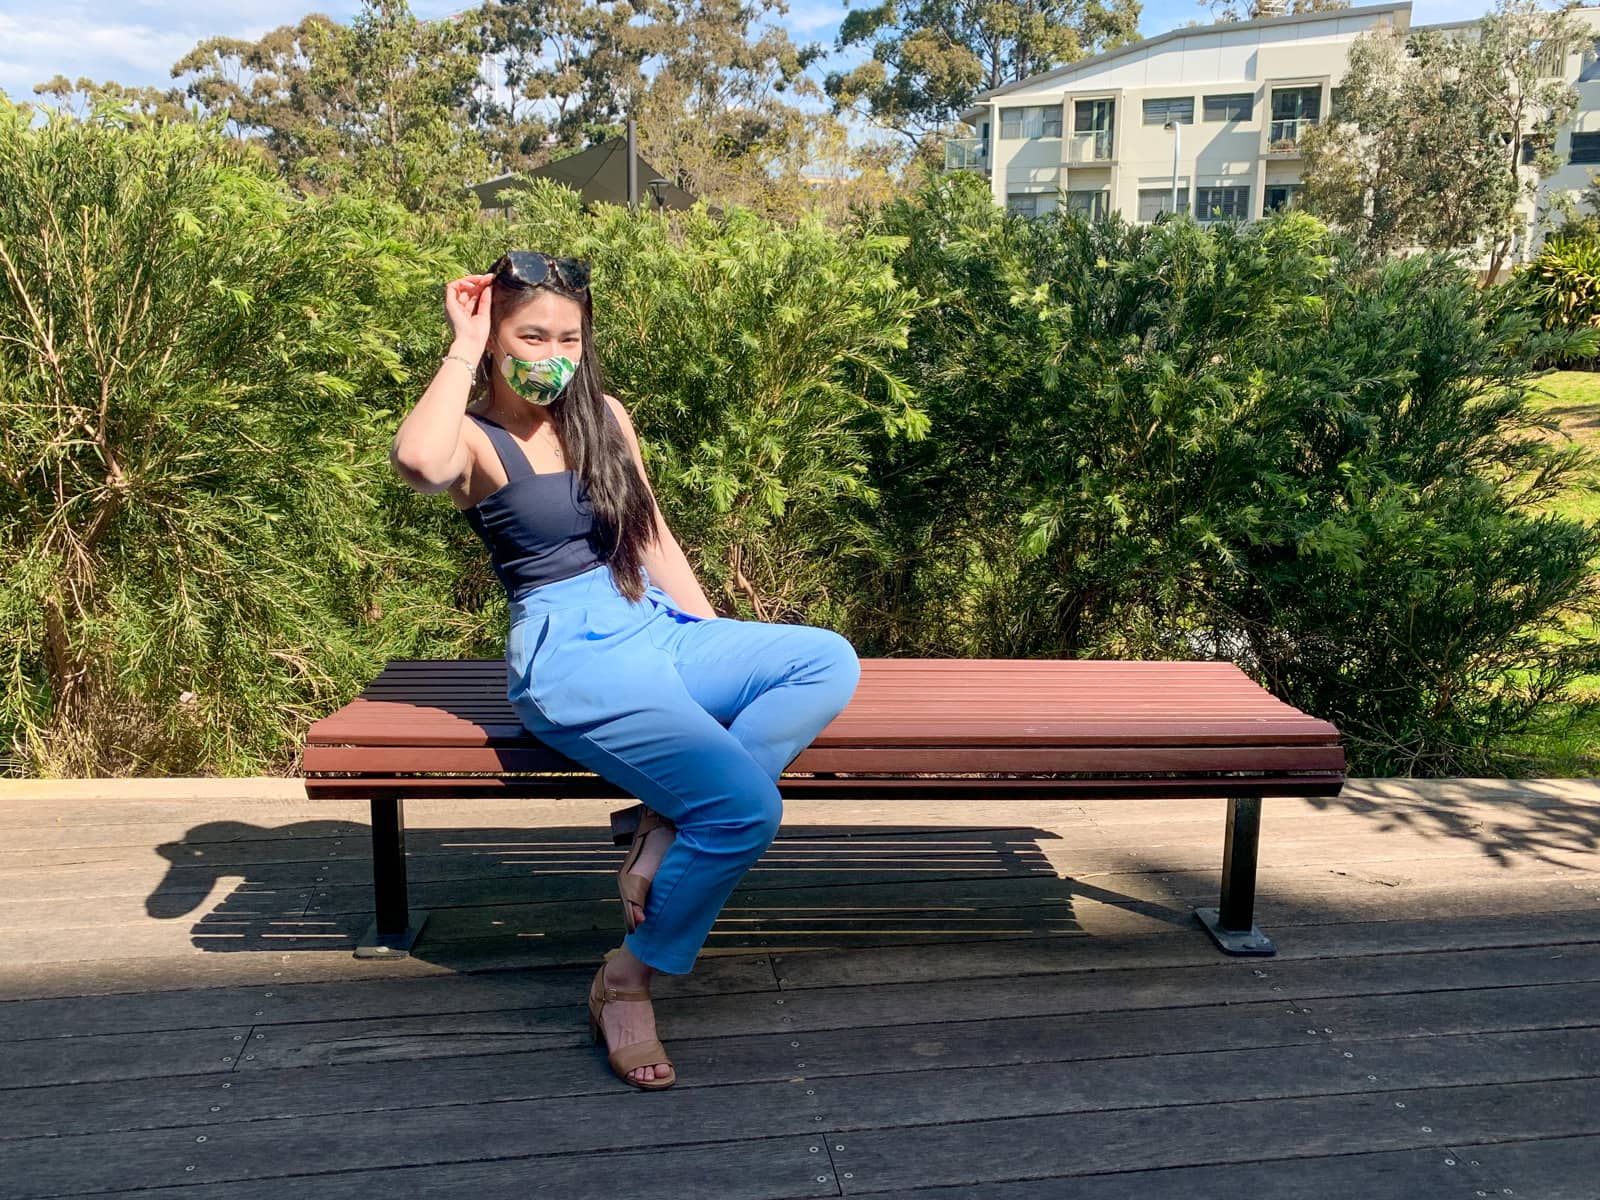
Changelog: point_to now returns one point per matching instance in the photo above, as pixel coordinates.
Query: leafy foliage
(1164, 441)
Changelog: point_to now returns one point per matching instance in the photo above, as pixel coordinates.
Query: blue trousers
(695, 716)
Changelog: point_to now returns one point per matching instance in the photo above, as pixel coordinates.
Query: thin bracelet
(460, 359)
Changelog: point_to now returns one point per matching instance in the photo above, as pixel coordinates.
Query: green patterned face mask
(538, 382)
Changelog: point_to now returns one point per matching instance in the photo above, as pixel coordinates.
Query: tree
(150, 102)
(382, 101)
(714, 90)
(930, 57)
(1443, 136)
(1226, 11)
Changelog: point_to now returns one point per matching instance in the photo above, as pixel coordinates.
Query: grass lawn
(1565, 741)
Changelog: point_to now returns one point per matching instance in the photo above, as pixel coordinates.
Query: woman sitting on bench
(614, 656)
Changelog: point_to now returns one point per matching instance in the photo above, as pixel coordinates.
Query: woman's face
(546, 326)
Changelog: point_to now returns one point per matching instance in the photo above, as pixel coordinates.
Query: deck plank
(1011, 1008)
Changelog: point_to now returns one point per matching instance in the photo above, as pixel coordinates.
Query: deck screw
(838, 1147)
(227, 1085)
(811, 1091)
(227, 1058)
(816, 1118)
(1349, 1054)
(1373, 1078)
(216, 1108)
(814, 1149)
(1399, 1104)
(794, 1043)
(201, 1138)
(259, 1036)
(1449, 1162)
(189, 1168)
(238, 1037)
(777, 1001)
(260, 1012)
(849, 1175)
(822, 1179)
(250, 1057)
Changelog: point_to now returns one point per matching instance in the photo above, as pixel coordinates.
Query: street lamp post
(1173, 127)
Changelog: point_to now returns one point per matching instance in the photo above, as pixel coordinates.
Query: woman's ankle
(625, 970)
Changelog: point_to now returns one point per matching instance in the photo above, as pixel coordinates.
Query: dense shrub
(1561, 288)
(194, 365)
(1163, 441)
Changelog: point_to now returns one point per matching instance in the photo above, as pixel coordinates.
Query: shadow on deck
(931, 999)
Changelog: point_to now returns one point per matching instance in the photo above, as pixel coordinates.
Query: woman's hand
(466, 304)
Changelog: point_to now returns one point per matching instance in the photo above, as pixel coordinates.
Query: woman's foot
(624, 1022)
(658, 839)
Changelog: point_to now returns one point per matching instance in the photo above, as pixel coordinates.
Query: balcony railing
(966, 154)
(1090, 147)
(1284, 134)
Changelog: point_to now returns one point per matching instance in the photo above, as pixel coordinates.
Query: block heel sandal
(630, 1057)
(635, 889)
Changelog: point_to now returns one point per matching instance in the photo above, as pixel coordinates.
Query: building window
(1092, 116)
(1154, 201)
(1034, 122)
(1221, 203)
(1089, 204)
(1283, 195)
(1169, 108)
(1294, 110)
(1336, 106)
(1585, 148)
(1023, 204)
(1234, 106)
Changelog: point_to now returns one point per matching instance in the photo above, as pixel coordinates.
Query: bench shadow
(549, 894)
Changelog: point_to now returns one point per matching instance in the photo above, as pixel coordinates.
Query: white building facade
(1205, 119)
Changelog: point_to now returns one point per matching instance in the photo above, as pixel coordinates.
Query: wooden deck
(1009, 1001)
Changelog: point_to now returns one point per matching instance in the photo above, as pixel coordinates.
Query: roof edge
(1323, 14)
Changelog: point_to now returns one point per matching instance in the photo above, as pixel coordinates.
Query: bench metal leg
(395, 929)
(1232, 924)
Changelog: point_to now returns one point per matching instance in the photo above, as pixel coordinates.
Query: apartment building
(1204, 119)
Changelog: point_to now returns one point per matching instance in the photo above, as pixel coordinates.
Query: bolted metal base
(391, 945)
(1234, 941)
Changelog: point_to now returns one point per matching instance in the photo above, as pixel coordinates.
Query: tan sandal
(630, 1057)
(635, 889)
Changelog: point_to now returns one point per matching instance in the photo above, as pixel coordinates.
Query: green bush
(1561, 288)
(1172, 441)
(196, 554)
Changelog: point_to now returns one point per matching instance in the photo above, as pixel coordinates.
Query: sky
(135, 42)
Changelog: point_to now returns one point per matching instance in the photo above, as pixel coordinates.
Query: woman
(614, 656)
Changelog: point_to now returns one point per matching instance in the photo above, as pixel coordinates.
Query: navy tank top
(539, 527)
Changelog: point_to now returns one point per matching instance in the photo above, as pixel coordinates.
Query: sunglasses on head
(529, 268)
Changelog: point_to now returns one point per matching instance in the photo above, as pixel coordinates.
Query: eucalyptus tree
(1441, 137)
(930, 57)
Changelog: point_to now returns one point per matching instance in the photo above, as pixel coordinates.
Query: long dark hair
(624, 517)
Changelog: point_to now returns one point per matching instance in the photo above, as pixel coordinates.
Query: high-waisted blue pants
(695, 716)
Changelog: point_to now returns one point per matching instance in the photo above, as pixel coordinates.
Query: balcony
(1284, 134)
(1092, 146)
(966, 154)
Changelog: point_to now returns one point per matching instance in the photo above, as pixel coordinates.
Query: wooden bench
(915, 728)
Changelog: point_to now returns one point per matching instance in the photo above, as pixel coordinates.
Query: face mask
(538, 382)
